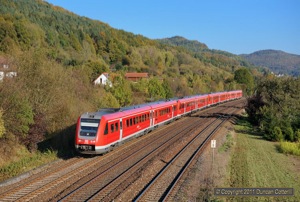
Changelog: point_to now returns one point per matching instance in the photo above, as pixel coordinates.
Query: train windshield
(89, 127)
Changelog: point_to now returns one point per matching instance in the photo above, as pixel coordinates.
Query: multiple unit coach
(99, 132)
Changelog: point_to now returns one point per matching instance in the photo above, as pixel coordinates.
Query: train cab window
(106, 129)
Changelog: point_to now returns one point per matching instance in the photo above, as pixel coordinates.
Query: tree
(2, 127)
(122, 91)
(243, 76)
(276, 103)
(155, 89)
(168, 91)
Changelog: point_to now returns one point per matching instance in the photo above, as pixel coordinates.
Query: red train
(99, 132)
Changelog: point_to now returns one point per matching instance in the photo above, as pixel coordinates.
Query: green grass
(257, 163)
(26, 162)
(227, 144)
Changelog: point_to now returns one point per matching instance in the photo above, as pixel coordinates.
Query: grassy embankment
(24, 161)
(257, 163)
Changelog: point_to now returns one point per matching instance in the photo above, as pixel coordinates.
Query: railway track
(104, 178)
(161, 186)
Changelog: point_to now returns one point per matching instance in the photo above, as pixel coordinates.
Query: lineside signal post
(213, 144)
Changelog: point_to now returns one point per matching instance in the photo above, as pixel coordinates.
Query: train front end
(86, 133)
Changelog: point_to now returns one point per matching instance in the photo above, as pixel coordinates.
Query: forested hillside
(57, 55)
(278, 61)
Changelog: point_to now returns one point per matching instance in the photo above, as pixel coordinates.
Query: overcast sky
(236, 26)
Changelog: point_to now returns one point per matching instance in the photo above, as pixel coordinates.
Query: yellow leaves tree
(2, 128)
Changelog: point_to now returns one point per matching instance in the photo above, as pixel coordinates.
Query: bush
(290, 148)
(289, 134)
(19, 117)
(277, 134)
(297, 135)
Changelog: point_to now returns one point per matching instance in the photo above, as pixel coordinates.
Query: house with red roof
(133, 76)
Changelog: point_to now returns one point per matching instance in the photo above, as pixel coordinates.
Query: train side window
(117, 126)
(127, 122)
(130, 122)
(136, 120)
(112, 128)
(106, 129)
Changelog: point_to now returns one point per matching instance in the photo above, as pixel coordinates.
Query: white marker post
(213, 146)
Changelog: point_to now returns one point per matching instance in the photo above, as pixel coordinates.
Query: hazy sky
(236, 26)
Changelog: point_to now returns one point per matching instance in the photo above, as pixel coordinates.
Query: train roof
(138, 109)
(100, 113)
(141, 105)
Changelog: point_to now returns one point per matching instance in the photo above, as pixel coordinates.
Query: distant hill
(201, 51)
(277, 61)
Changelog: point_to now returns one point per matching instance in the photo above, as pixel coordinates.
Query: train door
(151, 118)
(174, 110)
(121, 130)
